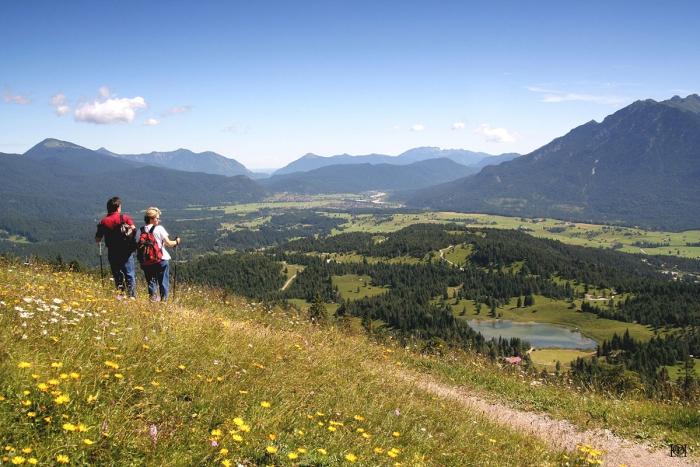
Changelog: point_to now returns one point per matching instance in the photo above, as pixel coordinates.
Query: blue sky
(265, 82)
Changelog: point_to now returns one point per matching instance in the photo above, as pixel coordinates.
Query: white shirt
(159, 233)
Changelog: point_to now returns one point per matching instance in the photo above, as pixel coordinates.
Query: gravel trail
(558, 434)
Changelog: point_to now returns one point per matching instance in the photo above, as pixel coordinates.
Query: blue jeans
(123, 273)
(158, 278)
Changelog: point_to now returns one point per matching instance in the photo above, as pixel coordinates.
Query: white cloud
(58, 99)
(549, 91)
(178, 109)
(230, 129)
(61, 110)
(10, 98)
(584, 97)
(105, 111)
(59, 102)
(152, 122)
(560, 96)
(418, 127)
(496, 135)
(398, 127)
(458, 126)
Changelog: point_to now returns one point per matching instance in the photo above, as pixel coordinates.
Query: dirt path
(289, 281)
(558, 434)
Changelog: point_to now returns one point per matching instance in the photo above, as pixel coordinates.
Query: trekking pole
(102, 272)
(175, 273)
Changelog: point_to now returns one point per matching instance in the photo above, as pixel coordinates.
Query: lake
(540, 335)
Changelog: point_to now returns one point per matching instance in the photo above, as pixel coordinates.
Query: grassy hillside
(89, 378)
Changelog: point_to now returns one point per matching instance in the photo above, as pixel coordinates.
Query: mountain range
(461, 156)
(639, 166)
(60, 189)
(357, 178)
(185, 160)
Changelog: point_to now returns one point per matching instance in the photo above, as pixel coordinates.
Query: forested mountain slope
(356, 178)
(187, 161)
(640, 166)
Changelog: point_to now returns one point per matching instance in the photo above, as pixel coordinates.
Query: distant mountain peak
(690, 103)
(56, 143)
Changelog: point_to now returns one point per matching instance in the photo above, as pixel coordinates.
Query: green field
(591, 235)
(547, 358)
(353, 287)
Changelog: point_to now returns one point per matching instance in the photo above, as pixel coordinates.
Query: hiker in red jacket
(119, 247)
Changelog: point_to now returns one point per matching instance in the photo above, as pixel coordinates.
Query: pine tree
(317, 312)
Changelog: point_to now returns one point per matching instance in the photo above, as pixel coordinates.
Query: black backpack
(126, 236)
(123, 238)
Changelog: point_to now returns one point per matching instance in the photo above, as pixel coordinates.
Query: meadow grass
(352, 286)
(91, 378)
(548, 358)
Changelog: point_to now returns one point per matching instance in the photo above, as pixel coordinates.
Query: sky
(265, 82)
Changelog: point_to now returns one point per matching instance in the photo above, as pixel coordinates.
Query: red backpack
(149, 251)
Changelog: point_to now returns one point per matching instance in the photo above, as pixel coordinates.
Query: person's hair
(150, 214)
(113, 205)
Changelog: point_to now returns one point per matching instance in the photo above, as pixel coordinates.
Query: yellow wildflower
(301, 450)
(379, 450)
(69, 427)
(238, 421)
(237, 438)
(366, 435)
(18, 460)
(265, 404)
(75, 375)
(292, 455)
(350, 457)
(223, 452)
(32, 461)
(27, 450)
(396, 434)
(88, 442)
(56, 365)
(62, 459)
(27, 403)
(226, 463)
(321, 451)
(24, 365)
(62, 399)
(271, 449)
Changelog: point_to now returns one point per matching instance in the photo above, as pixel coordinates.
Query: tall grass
(88, 377)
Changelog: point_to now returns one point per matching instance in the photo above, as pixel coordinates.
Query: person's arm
(98, 234)
(169, 242)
